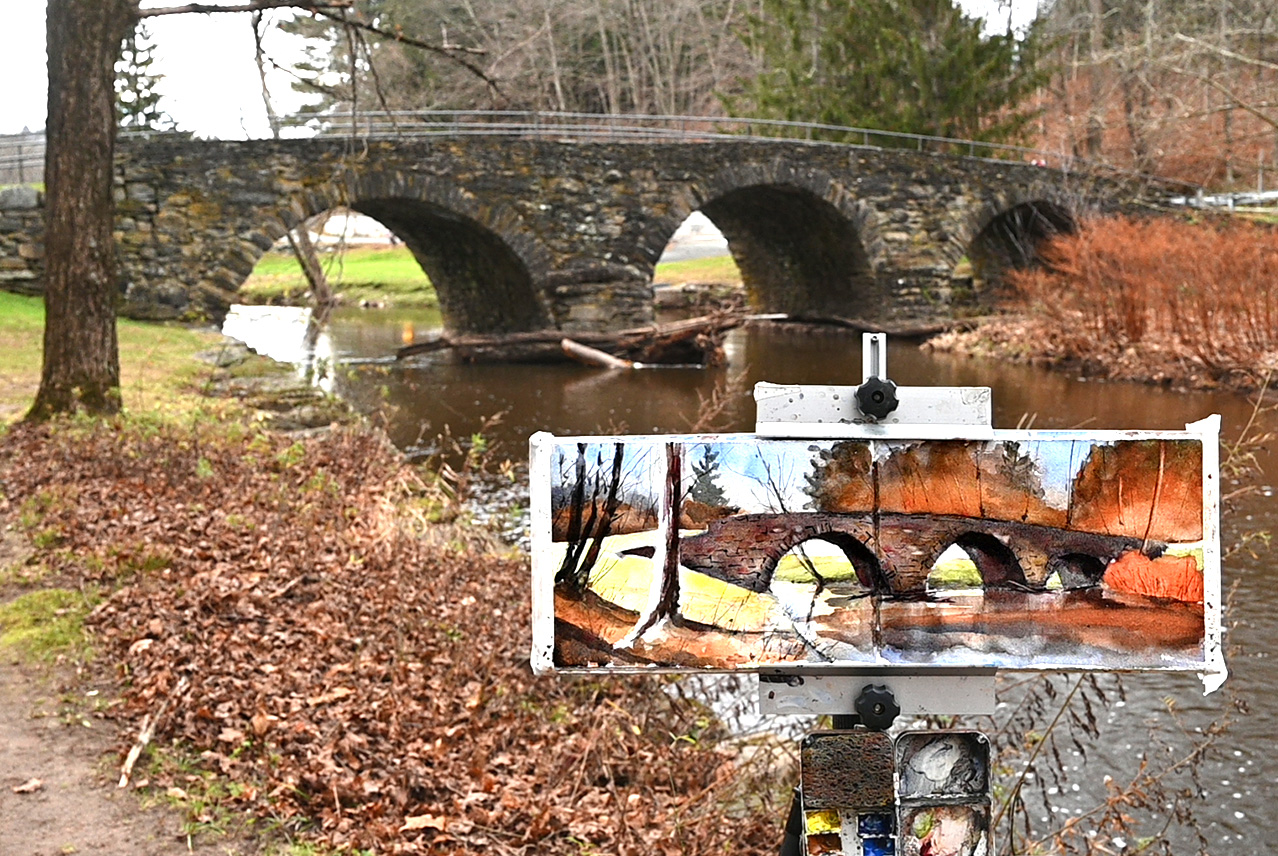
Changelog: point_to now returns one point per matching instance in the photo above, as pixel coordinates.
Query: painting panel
(725, 552)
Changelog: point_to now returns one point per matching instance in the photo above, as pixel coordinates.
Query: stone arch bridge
(894, 553)
(522, 234)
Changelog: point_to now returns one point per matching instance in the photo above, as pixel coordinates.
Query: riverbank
(318, 655)
(1187, 305)
(1027, 340)
(331, 653)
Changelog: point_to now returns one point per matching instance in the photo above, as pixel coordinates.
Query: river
(418, 402)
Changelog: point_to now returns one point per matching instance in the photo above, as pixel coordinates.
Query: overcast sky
(211, 84)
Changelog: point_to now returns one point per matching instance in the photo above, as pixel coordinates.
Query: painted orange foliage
(1173, 577)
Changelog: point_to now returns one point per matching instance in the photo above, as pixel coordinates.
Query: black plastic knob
(876, 398)
(877, 707)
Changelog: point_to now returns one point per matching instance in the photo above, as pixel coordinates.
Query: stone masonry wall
(523, 234)
(21, 240)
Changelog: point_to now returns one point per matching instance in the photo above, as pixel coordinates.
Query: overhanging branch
(251, 6)
(1226, 52)
(448, 51)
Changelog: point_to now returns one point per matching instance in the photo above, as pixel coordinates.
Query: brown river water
(418, 401)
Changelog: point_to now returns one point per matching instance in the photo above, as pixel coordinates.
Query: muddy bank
(1023, 339)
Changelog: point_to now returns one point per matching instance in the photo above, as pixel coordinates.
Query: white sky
(211, 85)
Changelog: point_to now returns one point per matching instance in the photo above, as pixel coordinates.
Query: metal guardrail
(630, 127)
(642, 127)
(409, 123)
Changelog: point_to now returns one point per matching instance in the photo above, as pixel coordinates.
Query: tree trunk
(1095, 120)
(299, 240)
(81, 353)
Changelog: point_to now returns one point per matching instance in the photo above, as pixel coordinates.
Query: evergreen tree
(914, 66)
(704, 487)
(136, 96)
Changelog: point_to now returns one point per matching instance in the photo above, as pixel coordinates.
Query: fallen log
(593, 356)
(904, 330)
(697, 341)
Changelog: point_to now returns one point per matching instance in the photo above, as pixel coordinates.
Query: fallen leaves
(424, 821)
(361, 687)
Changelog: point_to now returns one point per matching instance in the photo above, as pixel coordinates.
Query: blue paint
(878, 847)
(874, 825)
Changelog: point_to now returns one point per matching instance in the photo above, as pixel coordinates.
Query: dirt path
(78, 808)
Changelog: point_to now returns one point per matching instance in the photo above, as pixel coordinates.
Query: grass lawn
(389, 274)
(717, 269)
(392, 275)
(156, 369)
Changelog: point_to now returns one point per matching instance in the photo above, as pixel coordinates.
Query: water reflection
(416, 401)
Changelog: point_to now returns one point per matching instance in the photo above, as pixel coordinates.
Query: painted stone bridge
(896, 553)
(523, 234)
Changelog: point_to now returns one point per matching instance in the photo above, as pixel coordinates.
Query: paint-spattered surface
(945, 830)
(943, 765)
(1093, 550)
(943, 793)
(847, 783)
(826, 759)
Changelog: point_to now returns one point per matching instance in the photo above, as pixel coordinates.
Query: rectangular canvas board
(1033, 550)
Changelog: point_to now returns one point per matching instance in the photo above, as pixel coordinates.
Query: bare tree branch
(251, 6)
(1225, 90)
(445, 50)
(1226, 52)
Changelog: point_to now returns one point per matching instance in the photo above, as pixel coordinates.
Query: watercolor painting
(1033, 550)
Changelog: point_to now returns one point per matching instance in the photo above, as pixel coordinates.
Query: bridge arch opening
(696, 271)
(835, 561)
(975, 560)
(361, 259)
(1012, 240)
(796, 251)
(482, 284)
(1076, 570)
(406, 251)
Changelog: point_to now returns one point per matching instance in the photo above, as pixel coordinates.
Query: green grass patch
(714, 269)
(955, 574)
(384, 274)
(156, 368)
(40, 625)
(392, 275)
(833, 569)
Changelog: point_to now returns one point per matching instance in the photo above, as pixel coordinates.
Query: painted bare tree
(589, 520)
(663, 601)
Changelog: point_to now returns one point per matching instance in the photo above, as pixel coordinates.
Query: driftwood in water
(694, 341)
(593, 356)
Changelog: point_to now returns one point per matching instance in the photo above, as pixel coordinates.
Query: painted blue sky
(771, 475)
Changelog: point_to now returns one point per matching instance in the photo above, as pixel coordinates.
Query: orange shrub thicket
(1163, 289)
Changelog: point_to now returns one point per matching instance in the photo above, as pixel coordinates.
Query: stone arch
(1077, 570)
(996, 562)
(795, 234)
(868, 570)
(480, 258)
(1009, 233)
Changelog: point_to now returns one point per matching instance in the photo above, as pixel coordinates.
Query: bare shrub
(1169, 290)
